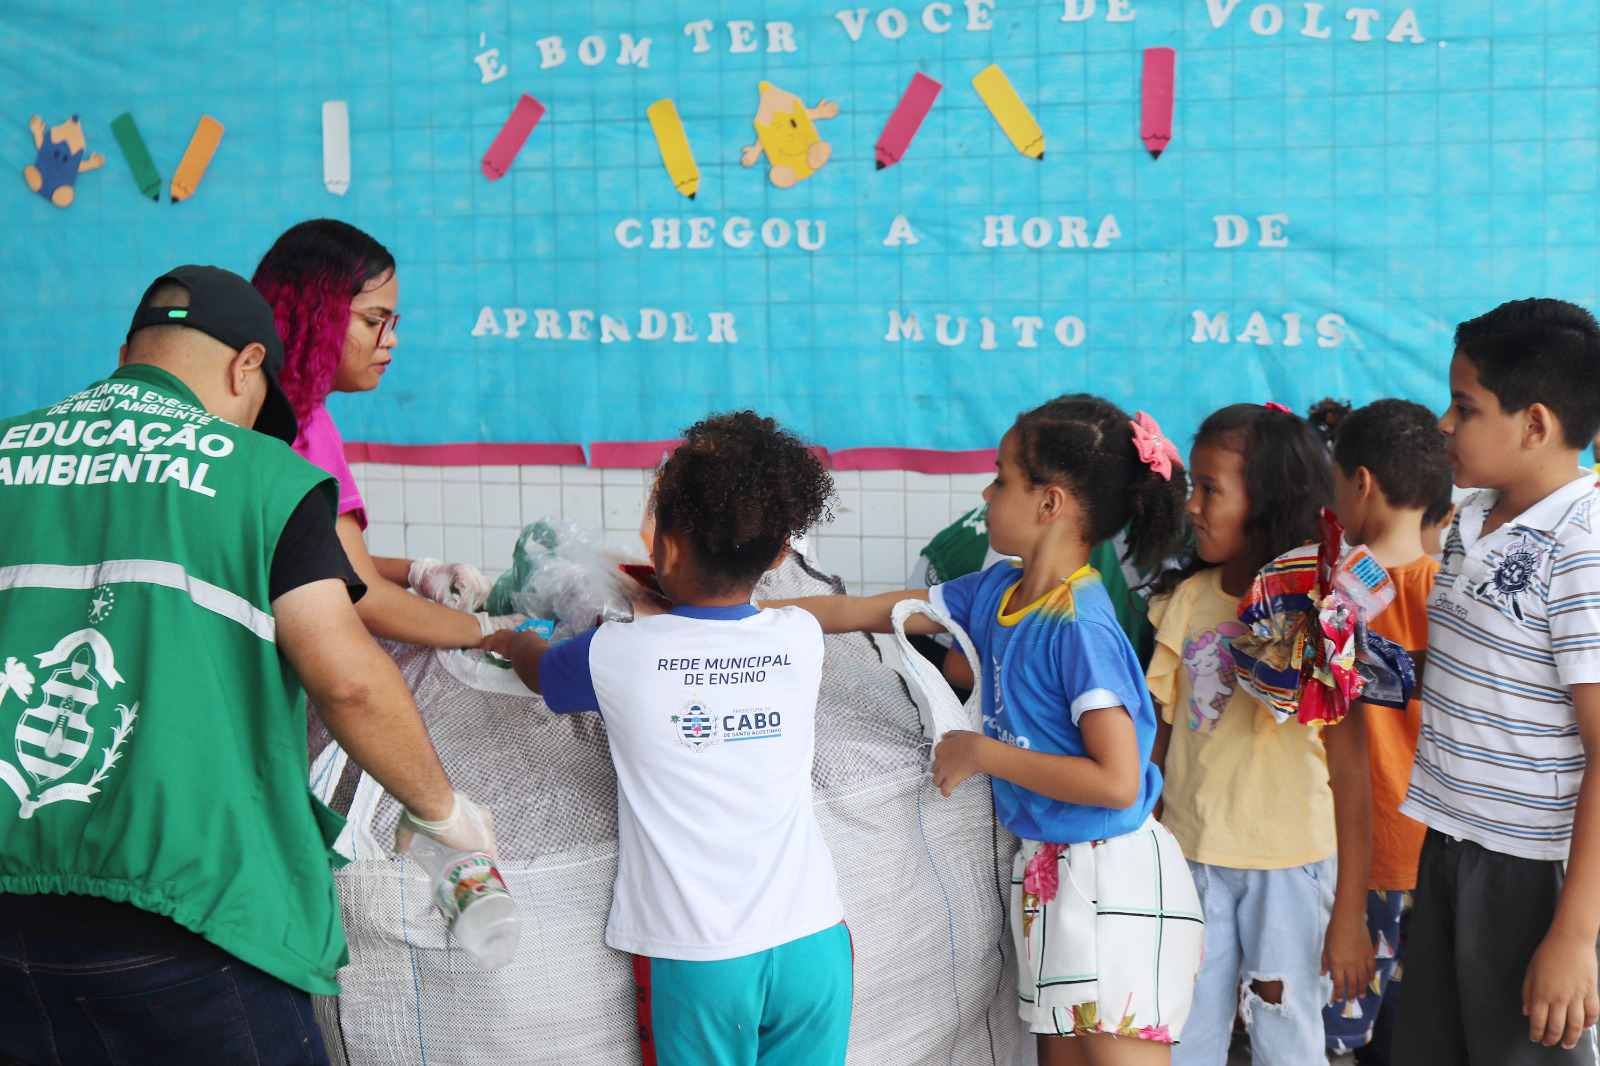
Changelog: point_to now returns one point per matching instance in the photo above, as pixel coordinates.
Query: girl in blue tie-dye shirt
(1104, 912)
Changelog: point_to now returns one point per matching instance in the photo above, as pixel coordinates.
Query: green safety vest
(959, 548)
(152, 739)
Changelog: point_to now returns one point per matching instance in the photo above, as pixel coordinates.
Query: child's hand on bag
(956, 759)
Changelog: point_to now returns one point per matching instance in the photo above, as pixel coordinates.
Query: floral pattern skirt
(1108, 935)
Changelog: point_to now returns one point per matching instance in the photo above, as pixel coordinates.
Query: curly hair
(1400, 443)
(1287, 478)
(1326, 414)
(1086, 444)
(738, 488)
(309, 276)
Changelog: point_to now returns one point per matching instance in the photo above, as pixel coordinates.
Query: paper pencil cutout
(1009, 111)
(512, 136)
(336, 146)
(674, 143)
(906, 120)
(202, 146)
(1155, 122)
(145, 174)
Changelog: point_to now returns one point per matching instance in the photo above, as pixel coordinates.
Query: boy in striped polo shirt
(1502, 964)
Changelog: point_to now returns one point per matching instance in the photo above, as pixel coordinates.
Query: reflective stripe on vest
(144, 571)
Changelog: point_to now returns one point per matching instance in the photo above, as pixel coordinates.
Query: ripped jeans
(1261, 926)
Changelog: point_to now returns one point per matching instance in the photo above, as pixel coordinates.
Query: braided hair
(1085, 444)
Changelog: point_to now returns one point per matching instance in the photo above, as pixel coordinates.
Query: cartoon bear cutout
(60, 160)
(784, 131)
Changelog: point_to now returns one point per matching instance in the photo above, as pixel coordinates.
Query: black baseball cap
(225, 306)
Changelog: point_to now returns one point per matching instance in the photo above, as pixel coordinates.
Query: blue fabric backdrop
(1423, 179)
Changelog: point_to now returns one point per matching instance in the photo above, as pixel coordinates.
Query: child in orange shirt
(1389, 464)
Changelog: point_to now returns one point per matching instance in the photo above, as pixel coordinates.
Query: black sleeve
(309, 550)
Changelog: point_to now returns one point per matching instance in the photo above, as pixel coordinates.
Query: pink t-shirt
(321, 444)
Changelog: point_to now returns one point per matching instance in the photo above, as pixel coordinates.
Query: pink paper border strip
(645, 454)
(468, 453)
(920, 460)
(629, 454)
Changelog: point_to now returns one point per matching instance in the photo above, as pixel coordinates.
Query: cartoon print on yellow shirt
(1212, 678)
(785, 132)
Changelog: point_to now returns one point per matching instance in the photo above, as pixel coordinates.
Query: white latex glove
(459, 585)
(471, 585)
(489, 623)
(469, 828)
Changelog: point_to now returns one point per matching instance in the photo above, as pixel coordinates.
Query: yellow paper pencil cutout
(675, 153)
(1009, 110)
(202, 146)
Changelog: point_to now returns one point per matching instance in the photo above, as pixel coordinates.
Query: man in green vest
(169, 581)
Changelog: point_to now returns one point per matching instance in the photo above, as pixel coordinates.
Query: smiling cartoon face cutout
(785, 131)
(61, 158)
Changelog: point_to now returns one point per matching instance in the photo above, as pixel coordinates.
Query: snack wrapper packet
(1308, 652)
(1388, 677)
(1279, 614)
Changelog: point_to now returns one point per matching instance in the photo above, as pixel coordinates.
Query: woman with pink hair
(333, 291)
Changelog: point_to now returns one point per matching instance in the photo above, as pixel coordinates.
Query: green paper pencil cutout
(137, 155)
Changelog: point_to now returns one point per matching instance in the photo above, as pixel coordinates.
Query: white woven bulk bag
(924, 879)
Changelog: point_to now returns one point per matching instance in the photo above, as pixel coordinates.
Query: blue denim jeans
(1261, 925)
(67, 1004)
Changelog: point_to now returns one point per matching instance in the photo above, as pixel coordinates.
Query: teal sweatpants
(786, 1006)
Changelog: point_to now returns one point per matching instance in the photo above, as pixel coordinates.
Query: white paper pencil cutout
(336, 146)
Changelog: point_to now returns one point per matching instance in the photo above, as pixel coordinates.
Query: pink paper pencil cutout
(906, 120)
(512, 136)
(1155, 122)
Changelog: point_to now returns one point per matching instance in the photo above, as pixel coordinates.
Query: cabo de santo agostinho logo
(695, 726)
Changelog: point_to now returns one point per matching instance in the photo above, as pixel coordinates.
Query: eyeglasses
(386, 324)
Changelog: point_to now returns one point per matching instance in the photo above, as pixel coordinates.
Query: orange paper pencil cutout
(202, 146)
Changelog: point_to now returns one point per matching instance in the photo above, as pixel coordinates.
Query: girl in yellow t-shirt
(1260, 809)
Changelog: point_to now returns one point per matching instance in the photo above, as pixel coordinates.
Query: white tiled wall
(472, 514)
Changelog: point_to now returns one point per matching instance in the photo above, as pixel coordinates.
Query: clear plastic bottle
(468, 890)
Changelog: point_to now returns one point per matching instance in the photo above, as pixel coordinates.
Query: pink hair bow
(1155, 451)
(1269, 405)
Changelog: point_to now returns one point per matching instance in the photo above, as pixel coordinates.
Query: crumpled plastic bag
(563, 571)
(1388, 676)
(1308, 652)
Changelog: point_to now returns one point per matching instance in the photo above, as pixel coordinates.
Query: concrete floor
(1243, 1059)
